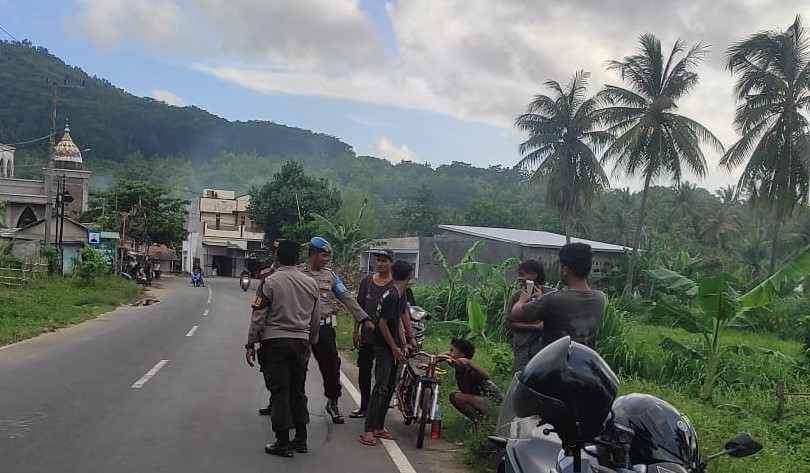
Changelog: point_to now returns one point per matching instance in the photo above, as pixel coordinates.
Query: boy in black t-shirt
(389, 350)
(477, 393)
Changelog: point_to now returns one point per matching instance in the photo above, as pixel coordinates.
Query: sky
(432, 81)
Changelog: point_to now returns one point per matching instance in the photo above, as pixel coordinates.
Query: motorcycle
(635, 433)
(244, 282)
(197, 279)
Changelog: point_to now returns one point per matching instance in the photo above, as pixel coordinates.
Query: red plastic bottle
(436, 425)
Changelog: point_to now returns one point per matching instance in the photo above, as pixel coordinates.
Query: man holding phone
(526, 334)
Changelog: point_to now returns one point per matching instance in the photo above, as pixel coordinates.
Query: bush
(51, 254)
(91, 267)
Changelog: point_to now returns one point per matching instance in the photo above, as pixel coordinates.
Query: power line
(9, 34)
(29, 141)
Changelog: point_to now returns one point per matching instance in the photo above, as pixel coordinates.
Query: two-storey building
(221, 234)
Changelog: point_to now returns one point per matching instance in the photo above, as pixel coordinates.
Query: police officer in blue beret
(330, 287)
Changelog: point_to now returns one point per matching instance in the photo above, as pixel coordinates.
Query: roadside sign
(94, 238)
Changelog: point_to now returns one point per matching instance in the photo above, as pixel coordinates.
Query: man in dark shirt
(389, 342)
(576, 311)
(477, 393)
(372, 287)
(526, 334)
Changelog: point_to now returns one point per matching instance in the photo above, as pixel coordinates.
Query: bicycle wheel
(427, 406)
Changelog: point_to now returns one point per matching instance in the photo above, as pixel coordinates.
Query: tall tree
(773, 84)
(284, 206)
(654, 141)
(562, 137)
(420, 214)
(142, 210)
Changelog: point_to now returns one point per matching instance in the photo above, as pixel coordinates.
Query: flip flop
(369, 442)
(384, 434)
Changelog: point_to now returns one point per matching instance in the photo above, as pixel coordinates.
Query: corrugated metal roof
(530, 238)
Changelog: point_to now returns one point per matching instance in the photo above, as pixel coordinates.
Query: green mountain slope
(115, 123)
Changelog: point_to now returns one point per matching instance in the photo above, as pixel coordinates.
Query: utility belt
(331, 320)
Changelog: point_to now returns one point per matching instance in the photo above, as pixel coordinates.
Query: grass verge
(46, 304)
(740, 406)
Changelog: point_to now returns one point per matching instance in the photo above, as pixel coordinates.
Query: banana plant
(346, 240)
(715, 306)
(453, 274)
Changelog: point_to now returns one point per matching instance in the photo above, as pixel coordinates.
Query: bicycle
(417, 390)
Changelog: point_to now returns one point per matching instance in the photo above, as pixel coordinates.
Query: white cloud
(393, 153)
(476, 60)
(167, 97)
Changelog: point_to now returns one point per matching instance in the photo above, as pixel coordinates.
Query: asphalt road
(81, 400)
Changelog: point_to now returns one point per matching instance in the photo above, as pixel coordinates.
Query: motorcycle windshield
(511, 426)
(417, 313)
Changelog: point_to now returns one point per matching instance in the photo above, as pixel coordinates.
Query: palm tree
(562, 138)
(773, 84)
(654, 141)
(721, 226)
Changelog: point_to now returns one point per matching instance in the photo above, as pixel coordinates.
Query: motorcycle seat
(414, 365)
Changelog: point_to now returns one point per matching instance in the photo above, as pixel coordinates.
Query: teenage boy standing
(389, 351)
(372, 287)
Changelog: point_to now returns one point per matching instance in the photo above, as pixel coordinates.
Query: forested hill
(115, 123)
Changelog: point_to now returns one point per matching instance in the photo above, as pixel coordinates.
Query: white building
(221, 233)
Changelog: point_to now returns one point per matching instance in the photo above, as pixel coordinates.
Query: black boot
(299, 443)
(282, 447)
(334, 411)
(266, 411)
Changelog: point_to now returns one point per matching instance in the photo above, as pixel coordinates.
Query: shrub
(91, 267)
(51, 254)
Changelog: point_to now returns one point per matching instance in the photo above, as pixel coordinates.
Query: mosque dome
(66, 149)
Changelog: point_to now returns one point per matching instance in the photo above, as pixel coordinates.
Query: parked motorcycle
(418, 317)
(561, 415)
(244, 282)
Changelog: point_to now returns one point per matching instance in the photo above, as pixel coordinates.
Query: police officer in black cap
(287, 331)
(330, 287)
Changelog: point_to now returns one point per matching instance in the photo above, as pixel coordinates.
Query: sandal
(369, 442)
(384, 434)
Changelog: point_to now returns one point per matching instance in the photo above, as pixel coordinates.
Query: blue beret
(321, 244)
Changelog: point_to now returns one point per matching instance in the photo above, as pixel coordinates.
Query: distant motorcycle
(197, 279)
(244, 282)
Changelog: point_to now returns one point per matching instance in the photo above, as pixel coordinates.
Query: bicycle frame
(411, 390)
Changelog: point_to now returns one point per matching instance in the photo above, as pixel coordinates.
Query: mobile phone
(530, 286)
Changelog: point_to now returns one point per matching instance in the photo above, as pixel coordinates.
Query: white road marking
(139, 384)
(191, 332)
(209, 294)
(353, 392)
(399, 458)
(205, 312)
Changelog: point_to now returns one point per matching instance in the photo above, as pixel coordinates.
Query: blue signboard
(94, 238)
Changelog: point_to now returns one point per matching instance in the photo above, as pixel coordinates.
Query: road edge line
(394, 452)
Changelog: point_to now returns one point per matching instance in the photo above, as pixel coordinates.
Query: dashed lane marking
(191, 332)
(149, 374)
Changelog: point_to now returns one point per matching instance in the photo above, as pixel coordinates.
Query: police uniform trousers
(285, 370)
(326, 354)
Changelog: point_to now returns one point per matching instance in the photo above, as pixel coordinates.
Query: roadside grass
(46, 304)
(746, 403)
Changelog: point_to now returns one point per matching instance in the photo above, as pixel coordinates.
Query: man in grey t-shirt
(576, 311)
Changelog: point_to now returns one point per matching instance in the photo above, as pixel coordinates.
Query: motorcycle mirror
(497, 440)
(743, 445)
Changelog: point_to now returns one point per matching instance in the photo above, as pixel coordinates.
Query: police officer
(330, 287)
(260, 306)
(287, 332)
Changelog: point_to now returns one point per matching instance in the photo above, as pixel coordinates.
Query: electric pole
(49, 169)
